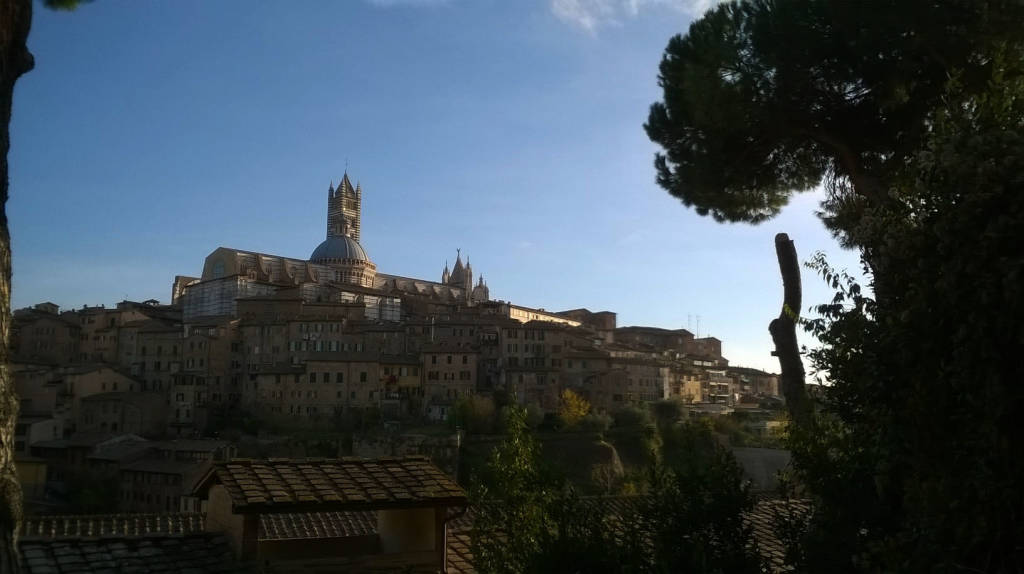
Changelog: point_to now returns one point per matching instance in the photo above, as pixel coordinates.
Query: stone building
(339, 270)
(141, 413)
(450, 372)
(461, 277)
(329, 335)
(58, 392)
(41, 335)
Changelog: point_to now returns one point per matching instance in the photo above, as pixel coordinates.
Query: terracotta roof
(272, 526)
(288, 525)
(122, 451)
(104, 525)
(460, 559)
(652, 330)
(192, 553)
(290, 485)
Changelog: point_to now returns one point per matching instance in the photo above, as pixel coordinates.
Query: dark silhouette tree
(912, 114)
(15, 60)
(763, 99)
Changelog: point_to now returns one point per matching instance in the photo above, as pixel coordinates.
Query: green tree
(632, 416)
(915, 453)
(668, 411)
(694, 514)
(475, 414)
(763, 98)
(911, 114)
(527, 520)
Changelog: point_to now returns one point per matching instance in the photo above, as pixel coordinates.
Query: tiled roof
(765, 520)
(103, 525)
(272, 526)
(123, 451)
(176, 542)
(289, 485)
(192, 553)
(460, 559)
(282, 526)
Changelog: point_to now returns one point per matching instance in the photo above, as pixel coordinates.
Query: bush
(474, 414)
(595, 423)
(632, 416)
(534, 415)
(668, 411)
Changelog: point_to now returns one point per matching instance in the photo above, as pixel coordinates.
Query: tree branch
(783, 331)
(864, 184)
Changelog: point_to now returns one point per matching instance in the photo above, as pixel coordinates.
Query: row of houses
(145, 371)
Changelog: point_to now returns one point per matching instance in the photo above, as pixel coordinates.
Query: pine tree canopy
(766, 98)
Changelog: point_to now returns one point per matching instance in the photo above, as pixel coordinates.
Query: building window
(362, 376)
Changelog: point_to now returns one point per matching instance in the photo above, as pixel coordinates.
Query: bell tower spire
(344, 209)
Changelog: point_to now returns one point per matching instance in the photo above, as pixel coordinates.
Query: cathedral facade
(339, 270)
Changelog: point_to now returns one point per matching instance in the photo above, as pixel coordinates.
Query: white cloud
(590, 15)
(587, 14)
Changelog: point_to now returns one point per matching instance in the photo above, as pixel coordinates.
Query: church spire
(345, 184)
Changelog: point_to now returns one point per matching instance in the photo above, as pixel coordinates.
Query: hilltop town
(144, 392)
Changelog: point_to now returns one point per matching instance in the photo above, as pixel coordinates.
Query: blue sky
(151, 133)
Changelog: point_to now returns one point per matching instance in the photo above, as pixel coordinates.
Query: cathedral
(339, 270)
(462, 277)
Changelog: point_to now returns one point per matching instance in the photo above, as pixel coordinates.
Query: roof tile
(344, 484)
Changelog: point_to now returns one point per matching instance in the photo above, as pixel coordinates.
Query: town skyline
(558, 207)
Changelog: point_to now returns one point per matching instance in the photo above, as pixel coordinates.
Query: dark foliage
(915, 456)
(763, 98)
(690, 520)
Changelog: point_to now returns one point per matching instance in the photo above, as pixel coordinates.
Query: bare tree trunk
(15, 60)
(783, 330)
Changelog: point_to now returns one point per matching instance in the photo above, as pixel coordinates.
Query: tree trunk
(783, 331)
(15, 60)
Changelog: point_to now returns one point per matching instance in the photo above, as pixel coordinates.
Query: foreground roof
(192, 553)
(177, 543)
(324, 485)
(168, 543)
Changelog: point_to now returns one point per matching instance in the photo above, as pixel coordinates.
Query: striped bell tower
(344, 209)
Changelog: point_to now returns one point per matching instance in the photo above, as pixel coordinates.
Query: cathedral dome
(337, 248)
